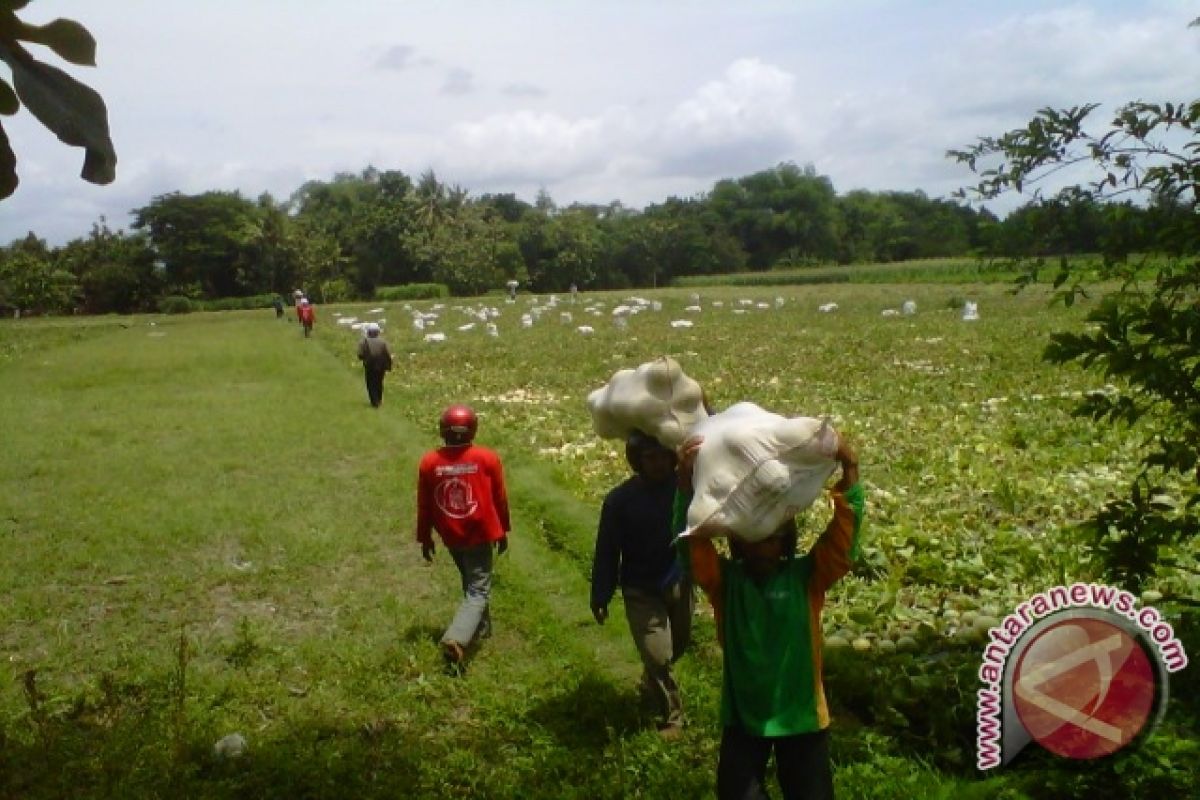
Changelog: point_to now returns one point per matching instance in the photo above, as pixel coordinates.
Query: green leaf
(75, 113)
(8, 166)
(13, 5)
(8, 99)
(67, 38)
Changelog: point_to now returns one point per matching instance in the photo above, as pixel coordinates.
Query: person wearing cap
(376, 360)
(308, 316)
(634, 550)
(461, 495)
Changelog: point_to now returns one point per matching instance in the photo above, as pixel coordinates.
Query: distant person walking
(634, 550)
(308, 317)
(297, 296)
(277, 304)
(377, 361)
(461, 495)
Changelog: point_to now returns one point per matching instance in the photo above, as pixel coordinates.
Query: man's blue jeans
(475, 567)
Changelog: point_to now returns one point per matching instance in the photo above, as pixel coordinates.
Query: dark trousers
(374, 385)
(801, 764)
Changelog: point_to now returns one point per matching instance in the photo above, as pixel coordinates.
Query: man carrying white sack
(634, 549)
(767, 603)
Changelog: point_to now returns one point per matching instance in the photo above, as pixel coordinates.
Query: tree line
(342, 238)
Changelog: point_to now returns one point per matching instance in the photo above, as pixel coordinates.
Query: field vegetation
(208, 531)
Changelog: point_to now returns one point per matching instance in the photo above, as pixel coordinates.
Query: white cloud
(751, 99)
(530, 145)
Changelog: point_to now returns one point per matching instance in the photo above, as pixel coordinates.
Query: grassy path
(207, 530)
(221, 477)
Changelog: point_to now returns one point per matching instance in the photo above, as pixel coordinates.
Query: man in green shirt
(767, 602)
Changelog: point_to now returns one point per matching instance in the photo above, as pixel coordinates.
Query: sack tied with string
(756, 469)
(657, 398)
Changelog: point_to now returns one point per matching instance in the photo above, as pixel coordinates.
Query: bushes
(236, 303)
(889, 692)
(822, 276)
(336, 290)
(175, 304)
(941, 271)
(412, 291)
(178, 304)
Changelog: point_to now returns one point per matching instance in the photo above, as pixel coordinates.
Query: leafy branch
(72, 111)
(1144, 334)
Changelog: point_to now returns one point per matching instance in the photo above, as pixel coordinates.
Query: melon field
(206, 531)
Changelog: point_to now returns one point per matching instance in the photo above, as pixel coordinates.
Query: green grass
(208, 530)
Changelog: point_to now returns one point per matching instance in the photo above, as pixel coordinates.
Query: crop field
(207, 530)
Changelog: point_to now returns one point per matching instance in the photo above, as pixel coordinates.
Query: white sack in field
(657, 398)
(756, 469)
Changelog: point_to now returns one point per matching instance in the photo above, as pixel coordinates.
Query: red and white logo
(1084, 688)
(455, 498)
(1082, 670)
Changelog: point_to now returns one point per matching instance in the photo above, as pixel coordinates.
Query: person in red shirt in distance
(461, 495)
(308, 316)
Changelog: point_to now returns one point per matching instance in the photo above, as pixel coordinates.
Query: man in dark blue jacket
(634, 550)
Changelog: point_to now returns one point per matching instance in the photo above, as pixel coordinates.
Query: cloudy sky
(630, 100)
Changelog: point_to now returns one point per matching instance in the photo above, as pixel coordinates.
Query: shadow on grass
(590, 714)
(137, 756)
(130, 744)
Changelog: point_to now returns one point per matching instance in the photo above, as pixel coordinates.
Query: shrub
(175, 304)
(890, 693)
(237, 303)
(820, 276)
(336, 290)
(412, 291)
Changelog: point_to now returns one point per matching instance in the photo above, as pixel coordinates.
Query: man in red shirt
(460, 494)
(308, 315)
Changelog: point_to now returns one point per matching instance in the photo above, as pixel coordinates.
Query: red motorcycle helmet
(458, 424)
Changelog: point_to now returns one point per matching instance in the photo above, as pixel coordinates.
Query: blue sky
(594, 101)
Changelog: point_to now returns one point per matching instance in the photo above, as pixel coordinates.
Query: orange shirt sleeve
(706, 572)
(834, 550)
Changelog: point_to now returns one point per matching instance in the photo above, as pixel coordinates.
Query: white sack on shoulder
(756, 469)
(657, 398)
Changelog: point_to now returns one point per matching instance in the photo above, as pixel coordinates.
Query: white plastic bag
(657, 398)
(756, 469)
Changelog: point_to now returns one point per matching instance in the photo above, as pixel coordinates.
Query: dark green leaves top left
(74, 112)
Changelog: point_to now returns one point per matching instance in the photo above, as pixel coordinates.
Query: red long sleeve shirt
(461, 495)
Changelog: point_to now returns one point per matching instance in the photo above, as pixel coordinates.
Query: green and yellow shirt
(770, 629)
